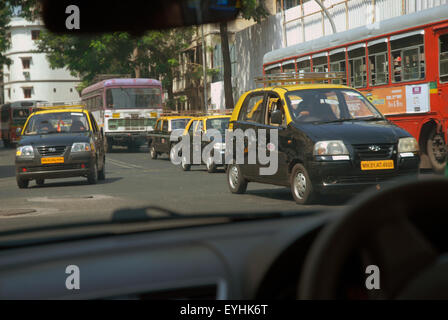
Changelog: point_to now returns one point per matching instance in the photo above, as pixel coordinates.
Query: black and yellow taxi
(159, 139)
(198, 127)
(330, 139)
(60, 142)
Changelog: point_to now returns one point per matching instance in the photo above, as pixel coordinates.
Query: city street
(132, 180)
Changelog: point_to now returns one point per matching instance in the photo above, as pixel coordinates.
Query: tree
(155, 54)
(165, 48)
(250, 9)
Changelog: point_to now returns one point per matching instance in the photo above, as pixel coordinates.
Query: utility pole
(204, 67)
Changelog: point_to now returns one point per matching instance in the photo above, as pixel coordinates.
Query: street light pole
(333, 26)
(204, 67)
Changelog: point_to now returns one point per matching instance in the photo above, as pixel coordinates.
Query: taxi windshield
(179, 123)
(57, 122)
(220, 124)
(329, 105)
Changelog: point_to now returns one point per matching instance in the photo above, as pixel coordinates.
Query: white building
(29, 76)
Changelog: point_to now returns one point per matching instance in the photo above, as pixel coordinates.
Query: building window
(35, 34)
(218, 62)
(9, 93)
(54, 90)
(27, 92)
(26, 63)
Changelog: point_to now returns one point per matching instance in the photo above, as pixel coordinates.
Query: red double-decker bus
(13, 115)
(400, 64)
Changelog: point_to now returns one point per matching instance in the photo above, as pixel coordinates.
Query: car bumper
(127, 137)
(343, 176)
(73, 166)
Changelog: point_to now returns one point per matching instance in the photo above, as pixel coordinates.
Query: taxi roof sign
(47, 106)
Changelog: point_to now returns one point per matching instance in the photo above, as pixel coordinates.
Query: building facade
(290, 22)
(29, 75)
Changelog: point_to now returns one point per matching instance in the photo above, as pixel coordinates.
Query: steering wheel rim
(338, 240)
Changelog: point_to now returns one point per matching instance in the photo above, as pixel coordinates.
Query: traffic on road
(225, 163)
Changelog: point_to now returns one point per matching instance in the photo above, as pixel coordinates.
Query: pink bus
(126, 109)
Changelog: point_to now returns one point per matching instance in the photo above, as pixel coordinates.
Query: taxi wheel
(22, 183)
(237, 183)
(172, 153)
(211, 166)
(102, 172)
(92, 178)
(436, 151)
(301, 186)
(185, 166)
(40, 182)
(153, 153)
(108, 146)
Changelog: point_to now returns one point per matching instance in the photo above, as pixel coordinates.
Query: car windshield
(57, 122)
(344, 134)
(133, 98)
(329, 105)
(220, 124)
(179, 123)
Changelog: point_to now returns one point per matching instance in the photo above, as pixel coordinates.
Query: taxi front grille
(51, 150)
(373, 151)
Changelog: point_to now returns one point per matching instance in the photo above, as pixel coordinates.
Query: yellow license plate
(52, 160)
(377, 165)
(153, 114)
(115, 115)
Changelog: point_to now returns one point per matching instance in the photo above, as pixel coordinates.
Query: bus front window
(133, 98)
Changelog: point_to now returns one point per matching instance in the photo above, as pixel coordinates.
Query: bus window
(408, 56)
(337, 64)
(304, 65)
(378, 64)
(289, 66)
(443, 40)
(357, 67)
(320, 64)
(273, 70)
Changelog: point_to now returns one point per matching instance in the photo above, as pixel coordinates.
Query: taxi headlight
(330, 148)
(406, 145)
(81, 147)
(25, 152)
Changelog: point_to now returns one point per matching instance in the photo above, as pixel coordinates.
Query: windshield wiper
(351, 119)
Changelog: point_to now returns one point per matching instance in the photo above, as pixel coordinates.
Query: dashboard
(239, 260)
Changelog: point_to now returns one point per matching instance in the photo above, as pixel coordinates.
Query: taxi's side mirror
(18, 132)
(276, 117)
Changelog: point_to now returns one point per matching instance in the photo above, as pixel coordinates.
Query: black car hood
(354, 132)
(60, 139)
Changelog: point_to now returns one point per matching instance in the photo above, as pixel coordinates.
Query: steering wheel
(400, 230)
